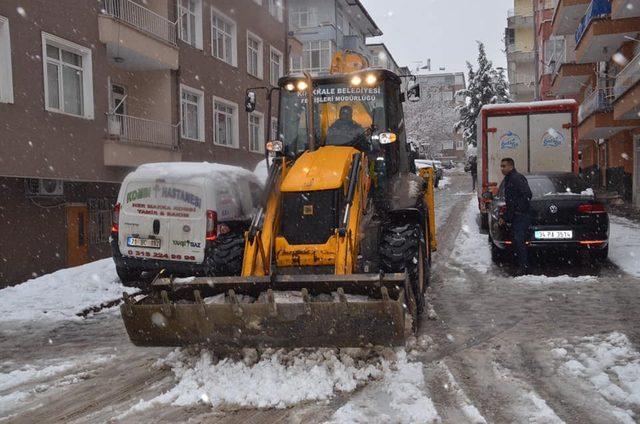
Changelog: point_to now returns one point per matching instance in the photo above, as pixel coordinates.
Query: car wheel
(484, 221)
(128, 277)
(498, 255)
(600, 255)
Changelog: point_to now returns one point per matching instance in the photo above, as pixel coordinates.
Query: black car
(564, 215)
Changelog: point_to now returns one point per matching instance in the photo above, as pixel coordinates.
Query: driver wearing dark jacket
(345, 131)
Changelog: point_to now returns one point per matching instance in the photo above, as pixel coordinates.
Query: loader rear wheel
(226, 256)
(402, 249)
(128, 277)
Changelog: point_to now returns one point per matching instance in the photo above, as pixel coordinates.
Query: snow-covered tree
(486, 85)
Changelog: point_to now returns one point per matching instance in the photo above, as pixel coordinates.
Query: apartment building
(90, 90)
(549, 49)
(430, 121)
(381, 57)
(520, 48)
(326, 26)
(600, 67)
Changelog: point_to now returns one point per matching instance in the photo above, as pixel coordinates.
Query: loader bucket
(180, 314)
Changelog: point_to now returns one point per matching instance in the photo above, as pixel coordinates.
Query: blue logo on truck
(510, 140)
(552, 138)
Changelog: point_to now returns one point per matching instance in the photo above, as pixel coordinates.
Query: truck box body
(538, 136)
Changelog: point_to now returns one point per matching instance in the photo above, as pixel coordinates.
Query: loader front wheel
(128, 277)
(401, 250)
(226, 256)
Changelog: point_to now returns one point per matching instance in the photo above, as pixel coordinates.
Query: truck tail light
(591, 208)
(212, 224)
(115, 218)
(503, 210)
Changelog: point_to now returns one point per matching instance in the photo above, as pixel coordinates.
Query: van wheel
(226, 257)
(128, 277)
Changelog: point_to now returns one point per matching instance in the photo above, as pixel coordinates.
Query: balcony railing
(597, 9)
(627, 78)
(129, 129)
(142, 19)
(597, 101)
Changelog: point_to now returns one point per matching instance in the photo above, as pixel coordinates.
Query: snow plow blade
(258, 312)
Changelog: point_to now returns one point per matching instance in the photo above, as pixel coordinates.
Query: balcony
(133, 141)
(596, 116)
(598, 9)
(623, 9)
(599, 37)
(626, 91)
(570, 78)
(519, 21)
(137, 38)
(567, 15)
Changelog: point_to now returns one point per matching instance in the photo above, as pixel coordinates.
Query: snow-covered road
(561, 347)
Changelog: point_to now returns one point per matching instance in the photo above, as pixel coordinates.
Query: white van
(186, 218)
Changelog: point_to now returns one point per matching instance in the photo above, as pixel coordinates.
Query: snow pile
(472, 248)
(543, 279)
(262, 171)
(611, 364)
(443, 183)
(59, 296)
(398, 398)
(273, 379)
(624, 244)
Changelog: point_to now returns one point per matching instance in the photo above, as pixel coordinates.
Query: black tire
(403, 249)
(498, 256)
(484, 221)
(600, 256)
(128, 277)
(226, 256)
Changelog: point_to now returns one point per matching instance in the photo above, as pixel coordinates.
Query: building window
(223, 38)
(225, 123)
(275, 9)
(316, 55)
(276, 70)
(68, 78)
(256, 132)
(303, 17)
(192, 113)
(6, 72)
(254, 55)
(99, 225)
(190, 22)
(459, 145)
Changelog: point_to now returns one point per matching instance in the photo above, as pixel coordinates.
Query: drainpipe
(536, 56)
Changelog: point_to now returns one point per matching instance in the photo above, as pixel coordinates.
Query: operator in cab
(346, 132)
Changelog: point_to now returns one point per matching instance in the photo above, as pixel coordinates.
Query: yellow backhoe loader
(339, 253)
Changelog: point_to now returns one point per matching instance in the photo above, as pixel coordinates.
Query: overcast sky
(443, 30)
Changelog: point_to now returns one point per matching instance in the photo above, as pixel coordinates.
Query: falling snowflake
(21, 11)
(620, 59)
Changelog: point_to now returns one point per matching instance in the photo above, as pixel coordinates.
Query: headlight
(387, 138)
(275, 146)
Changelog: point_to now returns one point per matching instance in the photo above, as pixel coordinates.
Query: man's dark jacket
(517, 195)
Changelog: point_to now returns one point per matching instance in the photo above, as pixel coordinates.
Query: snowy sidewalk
(624, 244)
(62, 294)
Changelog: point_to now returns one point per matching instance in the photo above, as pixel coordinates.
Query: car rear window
(557, 185)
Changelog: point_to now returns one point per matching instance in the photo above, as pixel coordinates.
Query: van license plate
(554, 235)
(143, 242)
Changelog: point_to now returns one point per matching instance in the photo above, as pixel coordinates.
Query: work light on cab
(356, 80)
(387, 138)
(275, 146)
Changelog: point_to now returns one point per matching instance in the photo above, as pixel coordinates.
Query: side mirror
(487, 195)
(413, 92)
(250, 101)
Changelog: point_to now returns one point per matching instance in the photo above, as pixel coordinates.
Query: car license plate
(554, 235)
(143, 242)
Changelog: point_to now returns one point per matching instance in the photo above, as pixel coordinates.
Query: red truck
(539, 136)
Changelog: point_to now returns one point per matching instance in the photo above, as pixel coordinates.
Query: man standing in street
(473, 168)
(517, 195)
